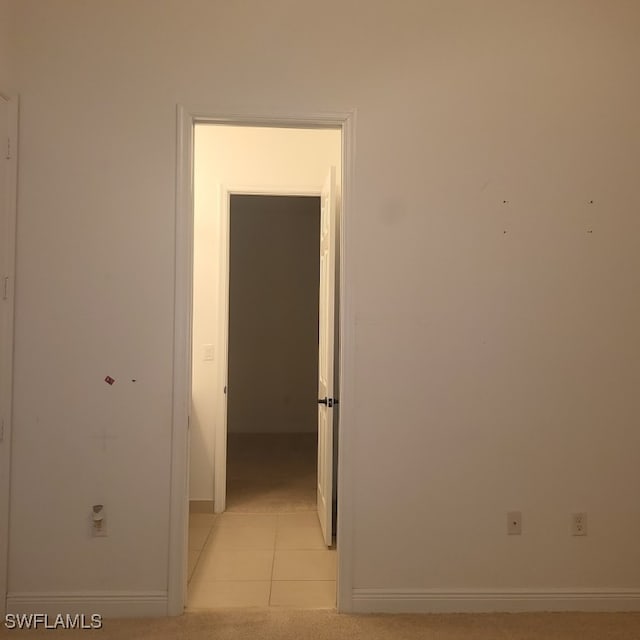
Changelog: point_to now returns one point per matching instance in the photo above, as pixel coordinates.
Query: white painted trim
(346, 378)
(281, 119)
(6, 364)
(181, 398)
(485, 601)
(187, 118)
(271, 191)
(110, 604)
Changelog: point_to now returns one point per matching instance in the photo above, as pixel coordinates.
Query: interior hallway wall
(273, 314)
(236, 157)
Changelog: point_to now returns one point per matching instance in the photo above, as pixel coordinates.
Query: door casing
(8, 212)
(187, 118)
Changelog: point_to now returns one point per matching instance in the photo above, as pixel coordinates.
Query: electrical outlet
(514, 523)
(579, 524)
(98, 521)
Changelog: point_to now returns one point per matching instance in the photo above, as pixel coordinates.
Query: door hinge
(8, 156)
(1, 429)
(5, 287)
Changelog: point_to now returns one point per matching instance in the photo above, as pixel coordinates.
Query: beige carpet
(271, 473)
(269, 624)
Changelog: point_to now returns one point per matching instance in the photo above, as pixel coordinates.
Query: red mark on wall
(109, 380)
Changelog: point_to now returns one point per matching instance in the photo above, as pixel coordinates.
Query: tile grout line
(273, 559)
(204, 544)
(195, 566)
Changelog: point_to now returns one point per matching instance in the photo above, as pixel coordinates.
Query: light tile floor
(259, 560)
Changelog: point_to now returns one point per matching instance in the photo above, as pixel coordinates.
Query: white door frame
(187, 118)
(8, 155)
(220, 443)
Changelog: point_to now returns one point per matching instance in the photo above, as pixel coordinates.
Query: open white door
(326, 401)
(8, 175)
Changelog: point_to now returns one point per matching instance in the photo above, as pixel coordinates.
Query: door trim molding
(187, 118)
(6, 373)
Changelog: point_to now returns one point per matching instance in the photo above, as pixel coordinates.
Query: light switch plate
(208, 352)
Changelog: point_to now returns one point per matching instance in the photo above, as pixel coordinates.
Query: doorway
(187, 119)
(272, 417)
(253, 388)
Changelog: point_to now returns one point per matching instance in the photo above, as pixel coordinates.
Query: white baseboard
(110, 604)
(484, 601)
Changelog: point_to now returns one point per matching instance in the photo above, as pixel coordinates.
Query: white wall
(493, 370)
(236, 157)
